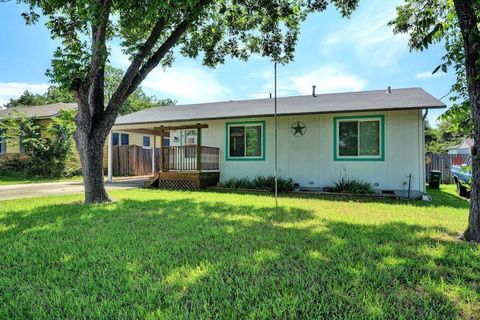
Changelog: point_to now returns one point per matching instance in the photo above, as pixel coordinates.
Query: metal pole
(276, 139)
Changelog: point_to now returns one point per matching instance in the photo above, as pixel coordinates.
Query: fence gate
(443, 163)
(134, 160)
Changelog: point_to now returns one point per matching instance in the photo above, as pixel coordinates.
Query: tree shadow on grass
(440, 198)
(187, 258)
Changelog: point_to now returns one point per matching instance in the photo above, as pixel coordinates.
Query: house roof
(398, 99)
(467, 143)
(39, 112)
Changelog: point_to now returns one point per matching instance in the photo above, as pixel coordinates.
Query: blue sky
(334, 53)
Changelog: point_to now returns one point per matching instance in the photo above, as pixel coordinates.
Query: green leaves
(432, 21)
(223, 28)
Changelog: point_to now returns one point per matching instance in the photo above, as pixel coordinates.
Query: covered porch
(176, 163)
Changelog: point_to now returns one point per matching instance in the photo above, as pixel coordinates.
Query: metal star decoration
(298, 129)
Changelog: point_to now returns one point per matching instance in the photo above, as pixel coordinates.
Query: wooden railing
(184, 158)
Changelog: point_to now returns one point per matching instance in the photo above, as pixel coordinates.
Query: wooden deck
(184, 180)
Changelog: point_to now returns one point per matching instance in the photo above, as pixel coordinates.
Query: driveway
(59, 188)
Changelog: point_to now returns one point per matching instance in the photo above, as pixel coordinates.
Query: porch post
(199, 148)
(161, 150)
(110, 157)
(153, 154)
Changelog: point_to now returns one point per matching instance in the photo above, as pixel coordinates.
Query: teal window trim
(336, 157)
(227, 141)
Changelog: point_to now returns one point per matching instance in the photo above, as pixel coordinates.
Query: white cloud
(184, 82)
(328, 79)
(187, 84)
(369, 36)
(10, 90)
(429, 74)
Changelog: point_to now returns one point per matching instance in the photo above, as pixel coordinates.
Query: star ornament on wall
(298, 129)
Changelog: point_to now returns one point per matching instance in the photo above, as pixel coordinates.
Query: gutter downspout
(425, 115)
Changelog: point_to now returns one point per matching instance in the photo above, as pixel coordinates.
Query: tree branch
(143, 53)
(96, 74)
(133, 78)
(158, 56)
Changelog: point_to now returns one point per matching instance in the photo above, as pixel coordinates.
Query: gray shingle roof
(41, 112)
(398, 99)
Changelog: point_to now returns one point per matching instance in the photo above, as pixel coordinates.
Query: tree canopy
(150, 33)
(435, 21)
(53, 95)
(137, 101)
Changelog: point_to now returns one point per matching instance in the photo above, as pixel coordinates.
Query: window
(359, 138)
(246, 141)
(21, 146)
(146, 141)
(3, 144)
(124, 139)
(115, 139)
(190, 143)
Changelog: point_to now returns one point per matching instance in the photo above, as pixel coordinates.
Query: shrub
(259, 183)
(353, 186)
(50, 155)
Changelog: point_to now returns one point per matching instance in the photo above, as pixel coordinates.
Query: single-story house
(463, 148)
(43, 115)
(375, 136)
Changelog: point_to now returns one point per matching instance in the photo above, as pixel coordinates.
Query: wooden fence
(134, 160)
(443, 163)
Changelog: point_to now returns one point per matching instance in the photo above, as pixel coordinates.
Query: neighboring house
(463, 148)
(374, 136)
(44, 114)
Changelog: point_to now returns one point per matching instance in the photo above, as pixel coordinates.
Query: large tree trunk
(471, 39)
(91, 157)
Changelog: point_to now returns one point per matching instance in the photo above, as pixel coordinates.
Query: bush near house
(346, 185)
(259, 183)
(47, 152)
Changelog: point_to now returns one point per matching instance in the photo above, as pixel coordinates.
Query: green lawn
(160, 254)
(20, 179)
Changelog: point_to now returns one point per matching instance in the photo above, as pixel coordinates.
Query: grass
(175, 255)
(22, 179)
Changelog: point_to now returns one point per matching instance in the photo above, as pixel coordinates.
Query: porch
(185, 165)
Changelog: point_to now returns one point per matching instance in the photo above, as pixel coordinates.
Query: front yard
(6, 180)
(162, 254)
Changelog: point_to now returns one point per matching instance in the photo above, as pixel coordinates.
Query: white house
(375, 136)
(463, 148)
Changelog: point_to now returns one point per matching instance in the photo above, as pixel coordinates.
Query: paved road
(59, 188)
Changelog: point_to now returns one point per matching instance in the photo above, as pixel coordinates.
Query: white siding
(309, 160)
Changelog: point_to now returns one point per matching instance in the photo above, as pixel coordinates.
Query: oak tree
(151, 32)
(456, 22)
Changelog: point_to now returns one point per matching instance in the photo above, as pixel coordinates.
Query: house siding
(309, 160)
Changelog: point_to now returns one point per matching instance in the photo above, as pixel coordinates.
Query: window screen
(146, 141)
(358, 137)
(245, 140)
(124, 137)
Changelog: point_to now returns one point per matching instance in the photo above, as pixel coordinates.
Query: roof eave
(279, 114)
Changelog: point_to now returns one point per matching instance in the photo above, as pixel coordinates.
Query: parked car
(462, 176)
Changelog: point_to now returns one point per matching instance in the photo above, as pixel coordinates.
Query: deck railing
(184, 158)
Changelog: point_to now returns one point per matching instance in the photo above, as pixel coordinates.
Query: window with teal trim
(245, 141)
(359, 138)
